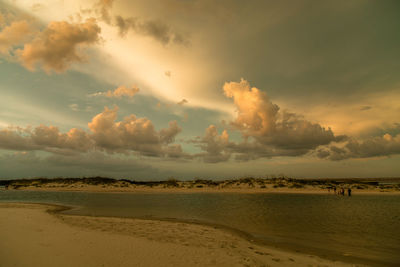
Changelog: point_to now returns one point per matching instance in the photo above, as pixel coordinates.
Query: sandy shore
(120, 187)
(242, 185)
(36, 235)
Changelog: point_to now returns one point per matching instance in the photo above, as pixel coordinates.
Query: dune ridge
(244, 185)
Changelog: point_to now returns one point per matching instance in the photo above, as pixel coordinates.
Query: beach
(243, 185)
(38, 235)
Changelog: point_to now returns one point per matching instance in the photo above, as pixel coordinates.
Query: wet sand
(38, 235)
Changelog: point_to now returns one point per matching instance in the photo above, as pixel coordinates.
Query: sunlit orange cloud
(13, 34)
(106, 134)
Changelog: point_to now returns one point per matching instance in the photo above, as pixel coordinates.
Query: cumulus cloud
(259, 118)
(167, 135)
(215, 146)
(256, 115)
(14, 34)
(50, 136)
(136, 134)
(370, 147)
(59, 45)
(132, 134)
(44, 138)
(175, 151)
(16, 139)
(266, 130)
(218, 148)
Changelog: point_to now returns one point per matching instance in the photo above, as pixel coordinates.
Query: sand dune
(243, 185)
(30, 236)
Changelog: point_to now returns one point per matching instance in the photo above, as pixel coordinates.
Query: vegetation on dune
(246, 182)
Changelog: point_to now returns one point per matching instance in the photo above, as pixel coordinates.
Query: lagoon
(360, 229)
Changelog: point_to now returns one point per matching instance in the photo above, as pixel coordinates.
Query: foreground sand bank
(30, 236)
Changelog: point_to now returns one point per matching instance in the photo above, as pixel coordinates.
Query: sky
(150, 90)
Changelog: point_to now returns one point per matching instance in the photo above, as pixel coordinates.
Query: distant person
(334, 190)
(349, 192)
(342, 191)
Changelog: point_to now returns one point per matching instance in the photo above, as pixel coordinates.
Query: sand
(242, 188)
(37, 235)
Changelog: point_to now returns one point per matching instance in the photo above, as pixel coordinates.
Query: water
(360, 229)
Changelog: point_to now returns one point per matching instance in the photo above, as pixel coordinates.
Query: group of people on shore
(341, 191)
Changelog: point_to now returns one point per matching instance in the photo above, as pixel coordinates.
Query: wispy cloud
(155, 28)
(118, 92)
(183, 102)
(74, 107)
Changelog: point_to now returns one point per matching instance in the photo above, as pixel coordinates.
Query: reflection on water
(362, 228)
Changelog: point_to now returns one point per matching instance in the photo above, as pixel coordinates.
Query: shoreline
(242, 185)
(97, 189)
(244, 244)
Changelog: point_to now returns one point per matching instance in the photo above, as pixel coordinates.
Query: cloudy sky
(199, 88)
